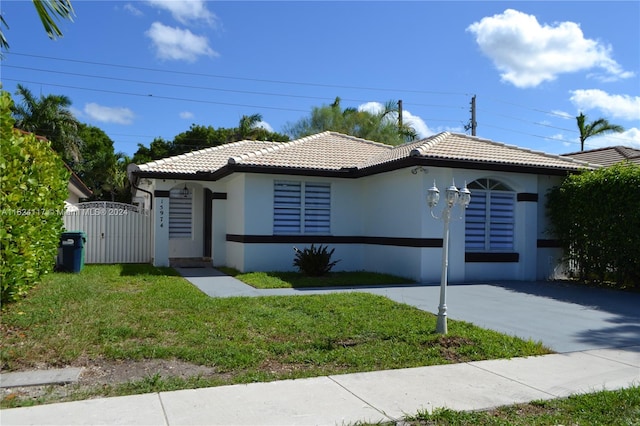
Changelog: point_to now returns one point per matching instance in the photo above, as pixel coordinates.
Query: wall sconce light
(185, 191)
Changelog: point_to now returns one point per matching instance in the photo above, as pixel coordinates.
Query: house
(77, 189)
(246, 204)
(608, 156)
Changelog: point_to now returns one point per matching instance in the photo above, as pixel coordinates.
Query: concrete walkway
(604, 327)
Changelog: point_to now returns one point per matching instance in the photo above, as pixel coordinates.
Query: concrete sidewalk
(361, 397)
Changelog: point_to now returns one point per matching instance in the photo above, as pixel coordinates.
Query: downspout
(131, 168)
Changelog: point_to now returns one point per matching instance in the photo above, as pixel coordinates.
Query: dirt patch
(449, 346)
(99, 373)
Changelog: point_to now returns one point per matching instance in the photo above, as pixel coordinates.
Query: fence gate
(116, 232)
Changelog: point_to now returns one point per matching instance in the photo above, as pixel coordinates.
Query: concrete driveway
(564, 316)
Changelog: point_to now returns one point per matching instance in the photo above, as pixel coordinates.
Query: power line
(297, 83)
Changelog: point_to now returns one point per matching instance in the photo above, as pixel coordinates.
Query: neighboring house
(608, 156)
(246, 204)
(77, 189)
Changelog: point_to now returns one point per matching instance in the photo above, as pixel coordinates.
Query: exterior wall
(549, 259)
(384, 218)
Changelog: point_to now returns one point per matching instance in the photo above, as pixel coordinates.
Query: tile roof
(208, 159)
(607, 156)
(332, 151)
(461, 147)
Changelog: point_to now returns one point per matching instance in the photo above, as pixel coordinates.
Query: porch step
(190, 262)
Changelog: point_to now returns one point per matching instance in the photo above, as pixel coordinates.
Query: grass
(611, 408)
(138, 312)
(264, 280)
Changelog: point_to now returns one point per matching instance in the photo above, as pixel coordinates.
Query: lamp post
(454, 196)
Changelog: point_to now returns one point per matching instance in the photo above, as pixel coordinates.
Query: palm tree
(596, 127)
(248, 126)
(50, 117)
(47, 11)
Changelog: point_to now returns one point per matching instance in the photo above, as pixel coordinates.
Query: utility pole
(400, 114)
(472, 124)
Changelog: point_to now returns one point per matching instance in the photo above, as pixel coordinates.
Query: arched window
(490, 217)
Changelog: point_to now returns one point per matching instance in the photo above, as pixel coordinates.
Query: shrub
(33, 187)
(314, 262)
(596, 217)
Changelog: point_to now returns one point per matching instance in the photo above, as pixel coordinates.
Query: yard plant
(33, 182)
(314, 261)
(138, 312)
(596, 217)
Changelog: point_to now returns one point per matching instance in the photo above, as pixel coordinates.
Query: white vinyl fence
(116, 232)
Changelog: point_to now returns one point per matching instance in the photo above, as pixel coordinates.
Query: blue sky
(145, 69)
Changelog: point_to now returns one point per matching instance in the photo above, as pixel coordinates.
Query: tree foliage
(200, 137)
(595, 128)
(48, 11)
(381, 126)
(33, 187)
(596, 217)
(49, 116)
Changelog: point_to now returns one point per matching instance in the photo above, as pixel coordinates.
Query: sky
(145, 69)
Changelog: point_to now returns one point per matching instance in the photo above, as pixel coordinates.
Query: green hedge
(33, 187)
(596, 217)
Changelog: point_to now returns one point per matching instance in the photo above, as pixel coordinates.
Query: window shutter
(287, 206)
(475, 225)
(501, 219)
(317, 208)
(180, 214)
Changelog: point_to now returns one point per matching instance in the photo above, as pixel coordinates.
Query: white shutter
(317, 208)
(501, 221)
(287, 206)
(180, 209)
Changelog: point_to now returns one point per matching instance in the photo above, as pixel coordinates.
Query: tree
(381, 126)
(49, 116)
(47, 10)
(596, 127)
(98, 162)
(200, 137)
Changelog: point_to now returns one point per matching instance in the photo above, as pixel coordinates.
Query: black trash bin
(72, 245)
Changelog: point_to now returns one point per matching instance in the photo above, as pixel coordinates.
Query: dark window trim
(542, 243)
(489, 257)
(330, 239)
(527, 196)
(162, 194)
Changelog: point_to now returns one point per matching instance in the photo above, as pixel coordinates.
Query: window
(490, 219)
(301, 208)
(180, 213)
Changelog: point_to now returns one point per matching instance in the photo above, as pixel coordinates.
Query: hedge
(596, 217)
(33, 187)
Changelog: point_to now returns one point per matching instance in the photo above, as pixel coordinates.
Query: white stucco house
(246, 204)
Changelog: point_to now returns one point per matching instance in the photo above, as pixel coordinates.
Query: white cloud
(186, 12)
(132, 9)
(178, 44)
(264, 125)
(414, 121)
(186, 115)
(528, 53)
(105, 114)
(615, 106)
(563, 114)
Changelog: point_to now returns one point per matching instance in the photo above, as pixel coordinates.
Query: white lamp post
(454, 196)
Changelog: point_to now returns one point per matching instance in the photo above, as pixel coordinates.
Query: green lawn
(265, 280)
(119, 312)
(606, 408)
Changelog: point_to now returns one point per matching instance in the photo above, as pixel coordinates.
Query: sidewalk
(361, 397)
